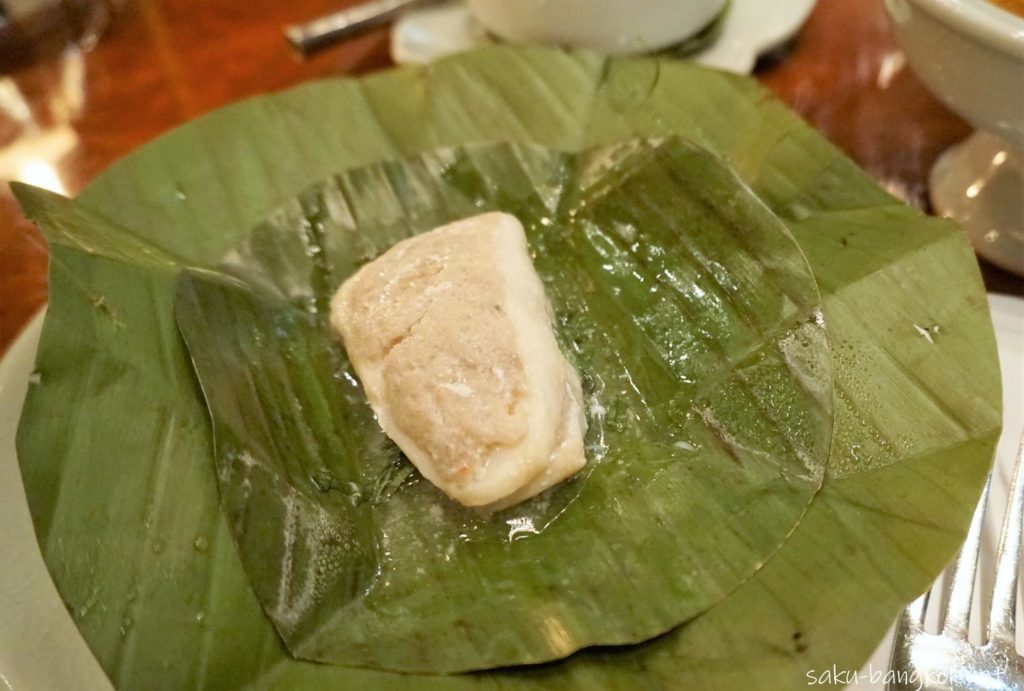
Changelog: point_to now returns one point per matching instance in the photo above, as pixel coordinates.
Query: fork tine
(909, 626)
(960, 585)
(1004, 593)
(916, 610)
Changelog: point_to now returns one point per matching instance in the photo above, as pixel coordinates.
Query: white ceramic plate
(40, 648)
(751, 28)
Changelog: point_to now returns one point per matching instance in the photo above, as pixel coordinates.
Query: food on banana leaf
(695, 325)
(450, 333)
(122, 470)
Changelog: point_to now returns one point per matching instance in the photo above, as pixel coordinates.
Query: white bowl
(610, 26)
(970, 54)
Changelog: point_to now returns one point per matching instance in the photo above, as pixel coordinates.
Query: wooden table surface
(162, 62)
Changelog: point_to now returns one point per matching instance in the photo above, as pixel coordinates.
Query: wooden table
(162, 62)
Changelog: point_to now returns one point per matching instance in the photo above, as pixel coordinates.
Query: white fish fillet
(451, 336)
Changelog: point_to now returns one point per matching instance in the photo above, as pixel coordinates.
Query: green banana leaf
(695, 324)
(115, 446)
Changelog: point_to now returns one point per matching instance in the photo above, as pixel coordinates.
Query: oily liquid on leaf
(674, 293)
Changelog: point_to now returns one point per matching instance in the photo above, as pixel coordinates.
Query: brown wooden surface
(162, 62)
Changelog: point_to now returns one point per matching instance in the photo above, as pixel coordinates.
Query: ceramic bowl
(610, 26)
(969, 53)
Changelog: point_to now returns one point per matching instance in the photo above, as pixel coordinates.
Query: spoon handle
(314, 35)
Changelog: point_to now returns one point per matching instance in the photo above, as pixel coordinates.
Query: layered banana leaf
(695, 324)
(115, 444)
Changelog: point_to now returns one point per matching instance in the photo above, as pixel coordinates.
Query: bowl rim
(982, 19)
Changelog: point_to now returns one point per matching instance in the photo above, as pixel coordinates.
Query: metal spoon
(319, 33)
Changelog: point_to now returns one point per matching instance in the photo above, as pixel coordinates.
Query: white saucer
(41, 649)
(751, 28)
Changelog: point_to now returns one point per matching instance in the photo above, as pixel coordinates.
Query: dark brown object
(162, 62)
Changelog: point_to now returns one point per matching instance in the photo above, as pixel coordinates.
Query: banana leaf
(695, 324)
(115, 446)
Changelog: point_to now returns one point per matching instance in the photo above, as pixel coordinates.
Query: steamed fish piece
(450, 333)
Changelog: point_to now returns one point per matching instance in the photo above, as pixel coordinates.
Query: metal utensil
(947, 660)
(329, 29)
